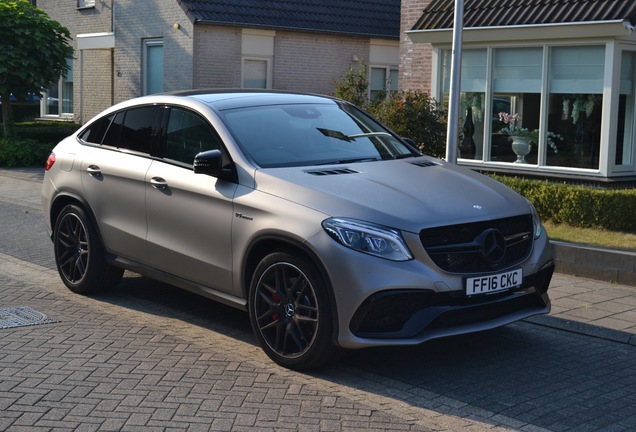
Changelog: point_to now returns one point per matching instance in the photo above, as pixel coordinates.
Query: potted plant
(522, 138)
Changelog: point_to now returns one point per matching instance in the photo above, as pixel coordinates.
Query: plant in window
(514, 130)
(574, 105)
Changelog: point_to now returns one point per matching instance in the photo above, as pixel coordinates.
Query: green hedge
(578, 206)
(23, 153)
(33, 143)
(45, 132)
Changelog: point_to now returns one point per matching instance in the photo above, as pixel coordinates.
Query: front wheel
(79, 255)
(290, 313)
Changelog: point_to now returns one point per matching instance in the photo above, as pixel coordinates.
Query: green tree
(33, 53)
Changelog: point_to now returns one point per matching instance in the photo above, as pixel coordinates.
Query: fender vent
(333, 172)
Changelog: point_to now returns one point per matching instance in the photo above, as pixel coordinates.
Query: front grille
(457, 248)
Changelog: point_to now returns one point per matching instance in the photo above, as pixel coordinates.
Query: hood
(407, 194)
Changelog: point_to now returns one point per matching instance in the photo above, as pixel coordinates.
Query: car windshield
(312, 134)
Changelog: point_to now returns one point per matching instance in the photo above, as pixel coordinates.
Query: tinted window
(187, 135)
(140, 129)
(96, 131)
(114, 131)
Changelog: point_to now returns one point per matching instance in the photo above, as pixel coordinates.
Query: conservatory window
(517, 81)
(575, 105)
(625, 130)
(472, 100)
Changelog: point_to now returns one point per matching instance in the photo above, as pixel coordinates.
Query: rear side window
(96, 131)
(134, 129)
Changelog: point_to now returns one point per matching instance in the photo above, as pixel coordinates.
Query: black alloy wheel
(289, 312)
(79, 254)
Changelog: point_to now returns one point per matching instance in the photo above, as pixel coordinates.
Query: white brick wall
(96, 74)
(313, 62)
(136, 21)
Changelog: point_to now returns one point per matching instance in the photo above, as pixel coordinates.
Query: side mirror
(211, 163)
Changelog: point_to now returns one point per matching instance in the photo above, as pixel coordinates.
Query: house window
(256, 73)
(382, 81)
(516, 84)
(472, 100)
(152, 66)
(85, 4)
(58, 99)
(557, 91)
(257, 56)
(576, 99)
(626, 120)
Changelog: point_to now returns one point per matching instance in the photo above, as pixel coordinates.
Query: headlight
(536, 222)
(369, 238)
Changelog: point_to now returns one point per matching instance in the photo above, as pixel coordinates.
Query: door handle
(94, 170)
(158, 183)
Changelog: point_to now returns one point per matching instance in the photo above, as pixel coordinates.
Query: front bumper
(426, 314)
(385, 303)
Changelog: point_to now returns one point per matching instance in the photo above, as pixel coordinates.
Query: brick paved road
(150, 357)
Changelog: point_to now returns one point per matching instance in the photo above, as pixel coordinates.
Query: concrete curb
(583, 329)
(595, 263)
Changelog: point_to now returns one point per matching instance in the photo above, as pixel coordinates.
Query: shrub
(411, 114)
(415, 115)
(578, 206)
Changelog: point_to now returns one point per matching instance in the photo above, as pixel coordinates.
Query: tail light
(49, 162)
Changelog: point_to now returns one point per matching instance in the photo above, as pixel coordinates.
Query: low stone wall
(595, 263)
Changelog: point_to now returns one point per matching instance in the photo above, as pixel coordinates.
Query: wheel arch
(265, 245)
(64, 199)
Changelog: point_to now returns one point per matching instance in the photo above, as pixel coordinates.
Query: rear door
(114, 179)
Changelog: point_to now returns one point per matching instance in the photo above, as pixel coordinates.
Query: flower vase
(521, 146)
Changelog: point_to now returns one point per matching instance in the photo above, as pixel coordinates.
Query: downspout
(112, 53)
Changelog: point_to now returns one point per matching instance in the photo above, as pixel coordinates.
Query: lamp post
(455, 84)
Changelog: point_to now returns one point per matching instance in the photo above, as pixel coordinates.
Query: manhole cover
(21, 316)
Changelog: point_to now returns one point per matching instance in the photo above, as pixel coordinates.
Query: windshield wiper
(339, 135)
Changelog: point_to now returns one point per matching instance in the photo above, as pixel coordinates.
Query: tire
(290, 312)
(79, 254)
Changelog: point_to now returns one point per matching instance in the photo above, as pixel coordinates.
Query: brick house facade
(118, 44)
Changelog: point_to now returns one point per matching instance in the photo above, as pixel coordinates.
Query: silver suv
(327, 228)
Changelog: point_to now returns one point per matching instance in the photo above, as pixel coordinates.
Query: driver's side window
(187, 135)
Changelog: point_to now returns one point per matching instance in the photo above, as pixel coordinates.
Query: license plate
(494, 283)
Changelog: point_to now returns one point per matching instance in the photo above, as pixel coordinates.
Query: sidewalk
(593, 307)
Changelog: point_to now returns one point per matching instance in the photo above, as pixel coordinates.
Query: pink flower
(507, 118)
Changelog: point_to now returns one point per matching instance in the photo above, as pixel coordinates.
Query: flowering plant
(515, 130)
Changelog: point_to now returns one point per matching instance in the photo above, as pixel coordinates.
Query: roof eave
(576, 30)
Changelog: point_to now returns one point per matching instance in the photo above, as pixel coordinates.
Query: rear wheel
(290, 312)
(79, 255)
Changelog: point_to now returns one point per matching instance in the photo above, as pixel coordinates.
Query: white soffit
(605, 29)
(95, 41)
